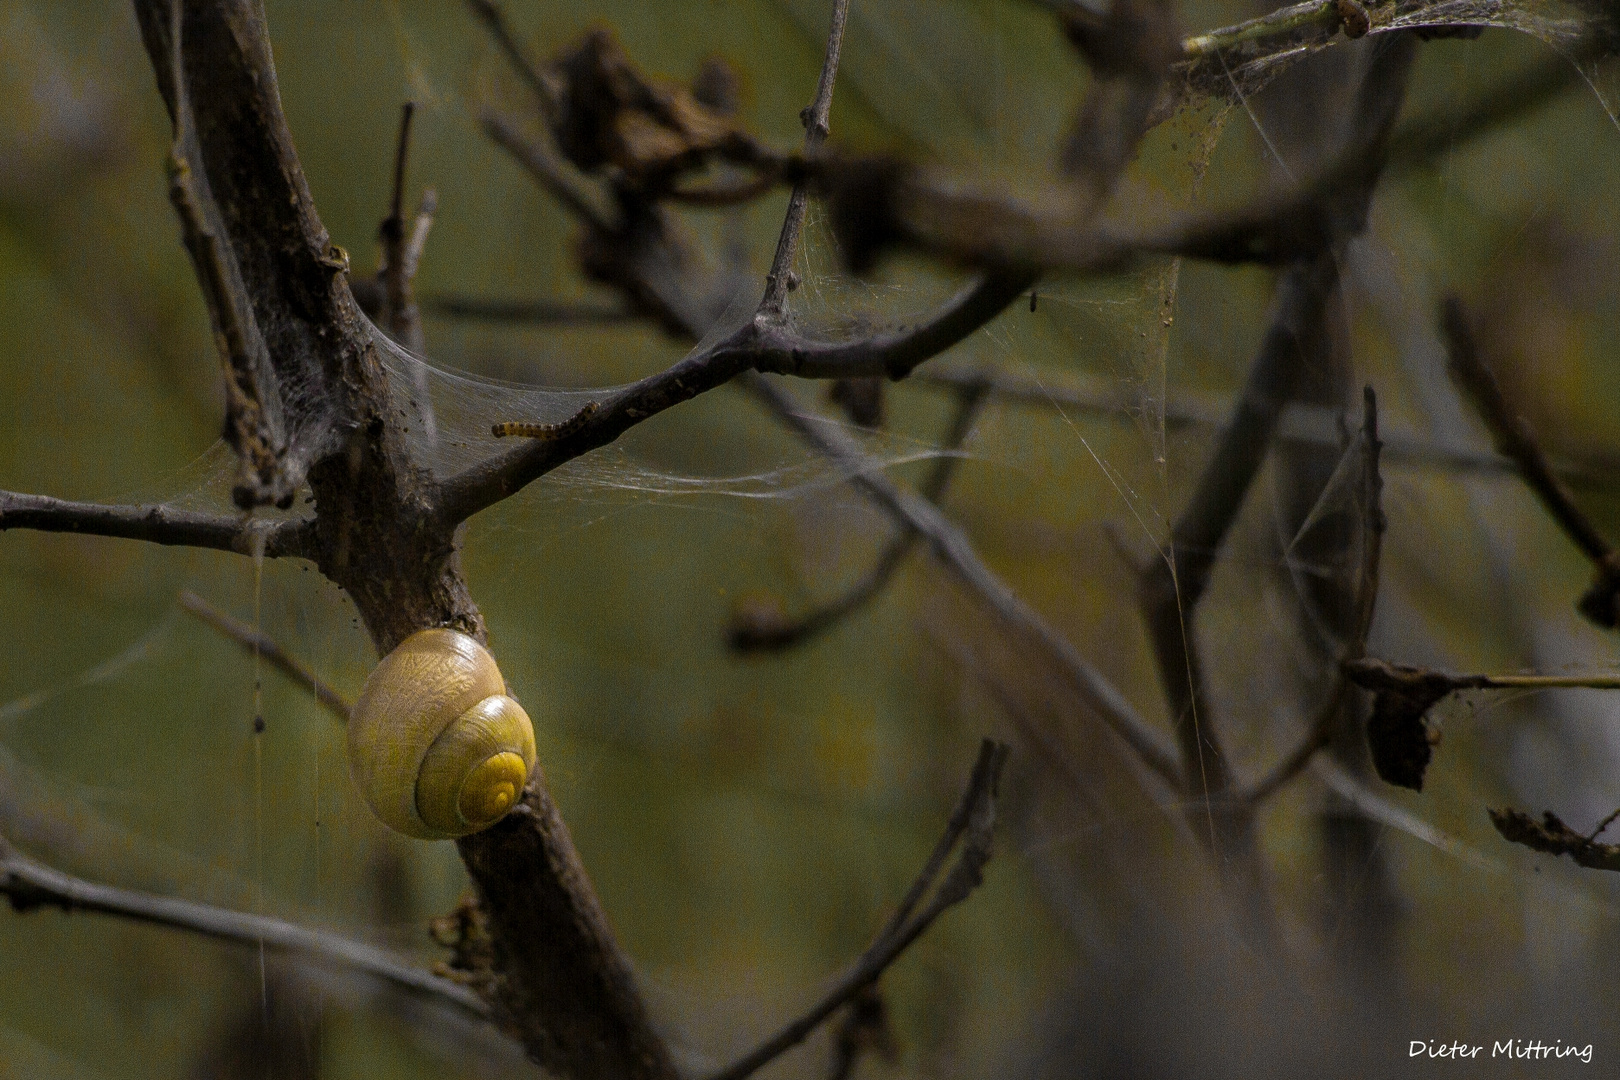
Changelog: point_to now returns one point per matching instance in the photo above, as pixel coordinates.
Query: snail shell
(435, 745)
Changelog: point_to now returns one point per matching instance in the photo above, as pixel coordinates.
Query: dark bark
(566, 990)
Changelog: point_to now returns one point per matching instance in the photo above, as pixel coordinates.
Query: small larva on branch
(547, 432)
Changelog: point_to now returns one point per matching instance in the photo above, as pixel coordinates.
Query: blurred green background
(750, 822)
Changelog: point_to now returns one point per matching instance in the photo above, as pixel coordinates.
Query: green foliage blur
(749, 822)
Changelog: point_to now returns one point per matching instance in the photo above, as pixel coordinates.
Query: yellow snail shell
(435, 745)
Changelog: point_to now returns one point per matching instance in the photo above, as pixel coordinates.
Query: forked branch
(972, 823)
(763, 628)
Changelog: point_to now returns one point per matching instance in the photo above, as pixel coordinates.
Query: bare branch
(892, 353)
(261, 644)
(1320, 731)
(566, 986)
(774, 304)
(158, 524)
(758, 344)
(1517, 440)
(975, 816)
(1173, 586)
(548, 170)
(566, 990)
(494, 18)
(30, 885)
(955, 550)
(1300, 423)
(757, 629)
(1554, 837)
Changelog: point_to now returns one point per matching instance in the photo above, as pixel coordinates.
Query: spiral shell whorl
(435, 745)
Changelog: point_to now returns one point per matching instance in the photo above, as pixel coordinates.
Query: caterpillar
(548, 432)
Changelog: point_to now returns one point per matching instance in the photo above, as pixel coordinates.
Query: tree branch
(1172, 586)
(263, 645)
(975, 816)
(774, 303)
(1517, 440)
(766, 630)
(755, 345)
(158, 524)
(30, 885)
(954, 549)
(564, 987)
(1320, 732)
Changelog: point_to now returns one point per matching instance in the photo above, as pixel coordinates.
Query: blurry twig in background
(973, 823)
(956, 551)
(547, 168)
(1515, 438)
(402, 251)
(1300, 423)
(266, 647)
(1320, 731)
(761, 625)
(1173, 585)
(865, 1029)
(30, 885)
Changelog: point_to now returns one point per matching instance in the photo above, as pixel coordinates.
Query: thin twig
(1320, 731)
(548, 170)
(816, 129)
(402, 251)
(266, 647)
(1552, 836)
(1300, 423)
(494, 18)
(956, 551)
(29, 885)
(157, 524)
(1173, 586)
(975, 816)
(1517, 440)
(772, 634)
